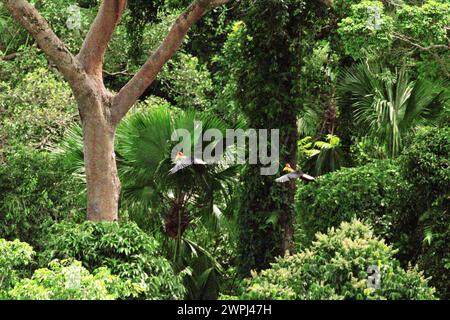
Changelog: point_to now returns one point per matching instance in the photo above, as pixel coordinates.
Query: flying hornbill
(182, 161)
(293, 174)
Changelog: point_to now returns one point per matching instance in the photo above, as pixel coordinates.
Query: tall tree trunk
(273, 60)
(103, 185)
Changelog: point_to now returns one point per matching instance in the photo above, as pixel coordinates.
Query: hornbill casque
(293, 175)
(182, 161)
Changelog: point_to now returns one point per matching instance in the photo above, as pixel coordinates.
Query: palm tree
(152, 195)
(387, 106)
(143, 153)
(144, 157)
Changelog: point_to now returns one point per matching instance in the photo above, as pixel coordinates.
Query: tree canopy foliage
(92, 93)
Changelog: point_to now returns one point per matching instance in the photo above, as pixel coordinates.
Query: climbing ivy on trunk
(274, 39)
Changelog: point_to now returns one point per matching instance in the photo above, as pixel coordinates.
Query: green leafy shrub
(376, 192)
(37, 110)
(425, 23)
(434, 259)
(124, 248)
(68, 280)
(406, 202)
(185, 80)
(15, 256)
(362, 31)
(35, 192)
(426, 163)
(336, 267)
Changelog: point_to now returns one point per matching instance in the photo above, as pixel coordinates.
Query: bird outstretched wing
(180, 164)
(306, 177)
(282, 179)
(295, 175)
(186, 162)
(199, 161)
(288, 177)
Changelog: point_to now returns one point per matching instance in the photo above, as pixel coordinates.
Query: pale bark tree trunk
(99, 109)
(103, 185)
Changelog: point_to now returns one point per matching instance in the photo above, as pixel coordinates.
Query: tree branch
(409, 40)
(129, 94)
(8, 57)
(26, 15)
(117, 73)
(430, 49)
(94, 47)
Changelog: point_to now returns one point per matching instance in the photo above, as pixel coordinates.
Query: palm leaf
(387, 108)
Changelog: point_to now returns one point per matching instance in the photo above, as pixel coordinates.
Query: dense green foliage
(406, 201)
(123, 248)
(15, 256)
(359, 92)
(426, 163)
(266, 63)
(362, 32)
(375, 192)
(335, 267)
(35, 191)
(68, 280)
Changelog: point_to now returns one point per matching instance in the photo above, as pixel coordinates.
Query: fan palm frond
(387, 105)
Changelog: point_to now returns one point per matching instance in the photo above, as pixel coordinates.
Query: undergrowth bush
(124, 248)
(336, 267)
(15, 257)
(35, 192)
(375, 192)
(426, 165)
(407, 202)
(69, 280)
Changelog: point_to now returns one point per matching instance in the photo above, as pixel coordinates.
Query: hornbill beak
(288, 168)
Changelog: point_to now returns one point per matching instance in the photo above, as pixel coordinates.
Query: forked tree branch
(94, 47)
(24, 13)
(411, 41)
(80, 71)
(131, 92)
(430, 49)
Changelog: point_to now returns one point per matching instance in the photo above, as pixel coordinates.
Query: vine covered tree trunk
(99, 109)
(268, 72)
